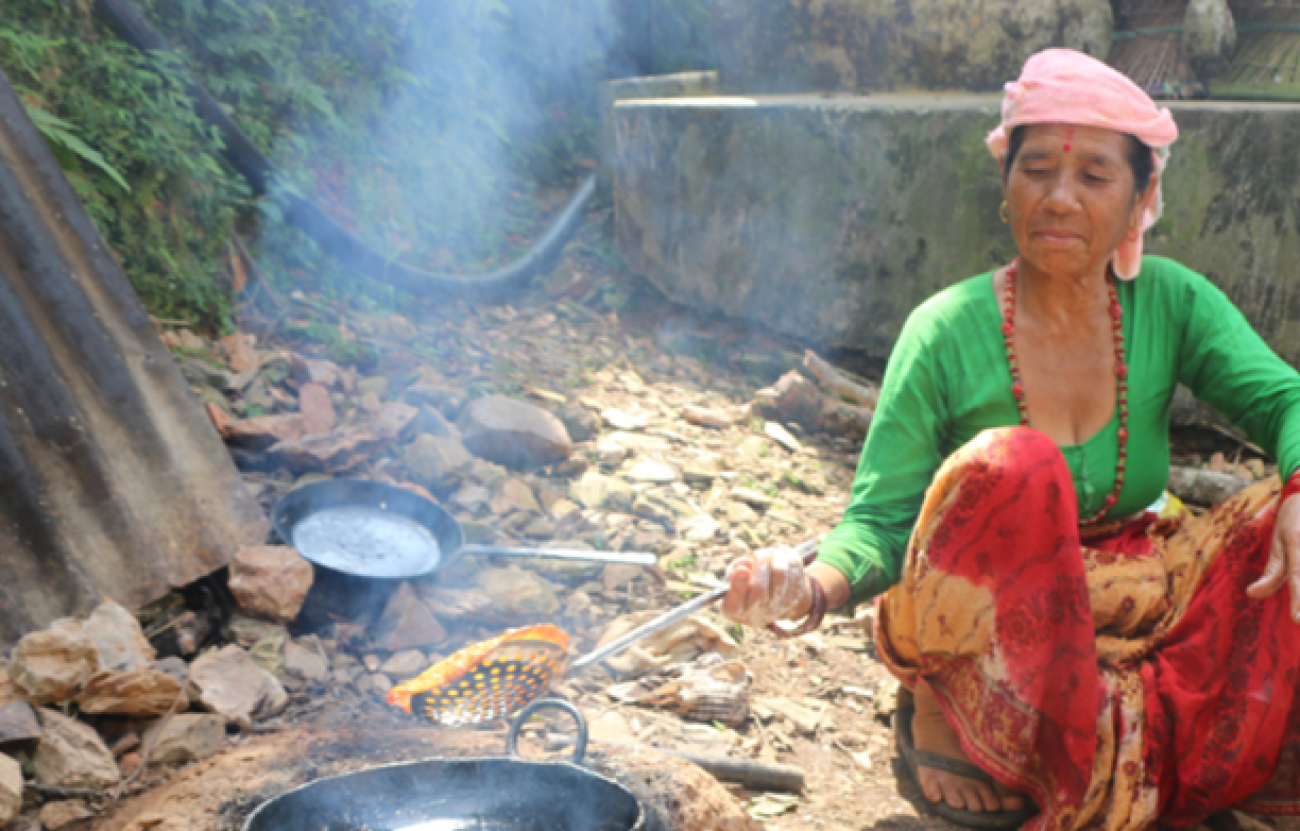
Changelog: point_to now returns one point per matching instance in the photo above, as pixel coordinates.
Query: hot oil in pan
(371, 543)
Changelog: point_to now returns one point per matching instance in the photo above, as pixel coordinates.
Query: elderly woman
(1117, 666)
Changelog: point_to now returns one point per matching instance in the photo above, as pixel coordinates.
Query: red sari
(1121, 679)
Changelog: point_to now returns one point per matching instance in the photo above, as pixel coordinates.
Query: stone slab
(831, 217)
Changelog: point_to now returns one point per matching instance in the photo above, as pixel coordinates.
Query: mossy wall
(832, 218)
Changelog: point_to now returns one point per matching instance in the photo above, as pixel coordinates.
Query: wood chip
(781, 436)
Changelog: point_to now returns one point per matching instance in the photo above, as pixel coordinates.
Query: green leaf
(62, 134)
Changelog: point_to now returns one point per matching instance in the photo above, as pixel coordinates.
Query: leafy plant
(63, 136)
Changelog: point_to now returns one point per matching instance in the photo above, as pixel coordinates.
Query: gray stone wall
(832, 218)
(859, 45)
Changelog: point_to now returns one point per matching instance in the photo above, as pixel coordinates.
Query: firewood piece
(836, 381)
(843, 419)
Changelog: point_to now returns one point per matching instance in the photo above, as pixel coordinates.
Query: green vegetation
(441, 131)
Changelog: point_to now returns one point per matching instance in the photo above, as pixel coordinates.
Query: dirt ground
(596, 335)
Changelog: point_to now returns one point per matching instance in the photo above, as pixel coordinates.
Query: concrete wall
(831, 218)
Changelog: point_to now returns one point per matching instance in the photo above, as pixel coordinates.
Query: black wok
(491, 794)
(369, 529)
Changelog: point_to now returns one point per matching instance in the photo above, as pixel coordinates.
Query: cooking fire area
(477, 511)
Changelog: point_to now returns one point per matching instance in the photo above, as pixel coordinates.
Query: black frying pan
(494, 794)
(369, 529)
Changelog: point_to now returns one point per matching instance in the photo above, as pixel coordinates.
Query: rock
(270, 581)
(175, 667)
(118, 638)
(376, 386)
(319, 371)
(141, 693)
(268, 653)
(539, 528)
(405, 664)
(453, 603)
(71, 755)
(380, 684)
(471, 497)
(129, 764)
(647, 470)
(617, 575)
(246, 631)
(1203, 487)
(51, 666)
(738, 513)
(8, 692)
(341, 450)
(150, 820)
(241, 357)
(185, 737)
(699, 528)
(513, 433)
(579, 607)
(407, 622)
(263, 432)
(705, 417)
(752, 497)
(430, 421)
(230, 684)
(781, 436)
(397, 420)
(516, 593)
(437, 461)
(11, 789)
(449, 402)
(56, 815)
(611, 453)
(305, 664)
(316, 408)
(18, 723)
(191, 342)
(596, 491)
(580, 423)
(371, 663)
(561, 508)
(513, 496)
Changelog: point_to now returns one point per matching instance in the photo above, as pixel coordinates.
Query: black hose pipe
(332, 237)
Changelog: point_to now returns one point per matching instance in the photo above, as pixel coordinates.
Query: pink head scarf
(1061, 86)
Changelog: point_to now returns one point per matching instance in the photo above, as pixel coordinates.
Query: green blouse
(947, 381)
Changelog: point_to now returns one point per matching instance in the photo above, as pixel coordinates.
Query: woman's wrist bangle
(816, 613)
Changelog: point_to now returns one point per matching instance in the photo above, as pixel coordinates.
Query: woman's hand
(1284, 558)
(767, 586)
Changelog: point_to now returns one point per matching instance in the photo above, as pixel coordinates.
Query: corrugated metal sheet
(112, 481)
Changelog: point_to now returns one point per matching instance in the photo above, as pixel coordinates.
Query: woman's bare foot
(931, 732)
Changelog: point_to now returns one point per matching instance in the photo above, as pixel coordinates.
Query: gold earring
(1002, 213)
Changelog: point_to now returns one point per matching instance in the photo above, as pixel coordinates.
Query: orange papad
(451, 669)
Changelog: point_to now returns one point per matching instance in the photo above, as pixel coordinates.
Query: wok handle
(517, 723)
(635, 559)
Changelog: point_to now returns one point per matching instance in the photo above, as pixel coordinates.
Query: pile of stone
(129, 704)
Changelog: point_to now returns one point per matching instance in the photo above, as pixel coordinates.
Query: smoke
(472, 104)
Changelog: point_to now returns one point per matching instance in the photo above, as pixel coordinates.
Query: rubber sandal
(913, 758)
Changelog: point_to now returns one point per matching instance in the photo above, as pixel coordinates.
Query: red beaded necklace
(1121, 374)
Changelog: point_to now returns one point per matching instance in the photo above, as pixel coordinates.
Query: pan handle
(633, 559)
(517, 723)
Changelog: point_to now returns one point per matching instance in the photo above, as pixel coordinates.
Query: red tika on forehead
(451, 669)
